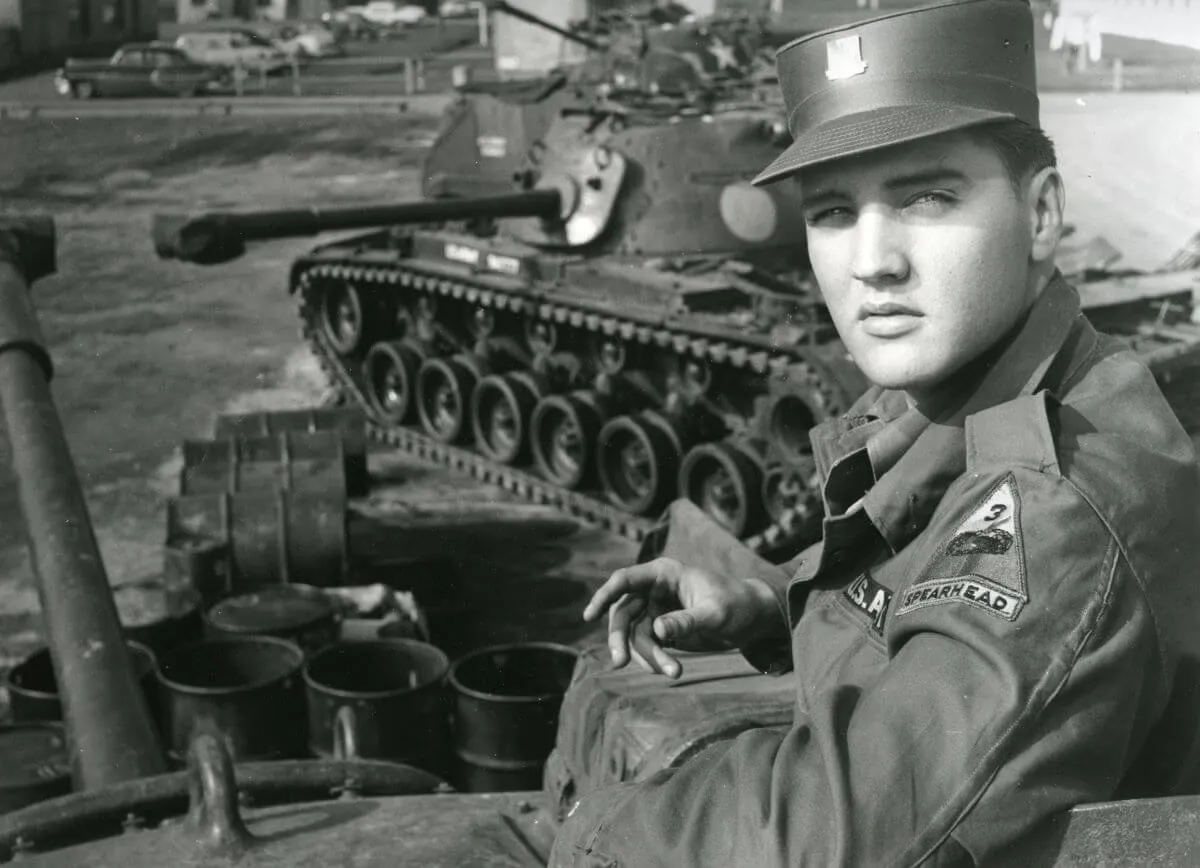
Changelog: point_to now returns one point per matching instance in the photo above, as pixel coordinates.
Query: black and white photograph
(600, 434)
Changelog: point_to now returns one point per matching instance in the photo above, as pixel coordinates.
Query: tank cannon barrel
(220, 236)
(110, 731)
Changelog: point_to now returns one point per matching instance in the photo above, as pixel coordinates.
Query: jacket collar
(900, 460)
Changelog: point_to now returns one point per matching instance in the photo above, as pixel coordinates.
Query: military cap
(903, 76)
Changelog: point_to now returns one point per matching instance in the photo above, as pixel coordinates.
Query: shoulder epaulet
(1017, 432)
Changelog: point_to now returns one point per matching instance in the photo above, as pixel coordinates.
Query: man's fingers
(676, 628)
(620, 617)
(624, 581)
(649, 653)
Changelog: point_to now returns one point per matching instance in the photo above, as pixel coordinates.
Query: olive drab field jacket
(1001, 621)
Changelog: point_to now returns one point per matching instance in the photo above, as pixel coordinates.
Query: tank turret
(488, 129)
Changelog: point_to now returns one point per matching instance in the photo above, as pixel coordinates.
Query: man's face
(922, 253)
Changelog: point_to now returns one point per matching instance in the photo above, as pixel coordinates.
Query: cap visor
(871, 130)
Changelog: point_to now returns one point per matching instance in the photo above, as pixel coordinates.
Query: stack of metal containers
(248, 633)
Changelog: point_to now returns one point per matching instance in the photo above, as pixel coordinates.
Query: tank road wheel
(390, 370)
(638, 460)
(502, 407)
(342, 318)
(788, 425)
(444, 388)
(726, 482)
(563, 434)
(790, 488)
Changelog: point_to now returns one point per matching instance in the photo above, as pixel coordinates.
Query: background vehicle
(410, 14)
(350, 24)
(138, 69)
(389, 14)
(302, 39)
(457, 8)
(234, 47)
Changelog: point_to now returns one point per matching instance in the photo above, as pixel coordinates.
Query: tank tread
(782, 536)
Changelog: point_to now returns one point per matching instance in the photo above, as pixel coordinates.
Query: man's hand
(665, 604)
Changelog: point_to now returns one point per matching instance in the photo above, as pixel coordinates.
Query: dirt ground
(148, 351)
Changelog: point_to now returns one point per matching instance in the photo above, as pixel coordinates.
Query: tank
(488, 128)
(323, 812)
(633, 322)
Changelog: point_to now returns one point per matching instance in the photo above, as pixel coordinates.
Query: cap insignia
(844, 58)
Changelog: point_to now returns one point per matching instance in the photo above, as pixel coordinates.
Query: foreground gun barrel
(219, 236)
(111, 734)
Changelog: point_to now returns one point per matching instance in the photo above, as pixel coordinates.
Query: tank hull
(685, 359)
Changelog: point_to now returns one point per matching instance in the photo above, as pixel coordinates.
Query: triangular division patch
(982, 563)
(991, 529)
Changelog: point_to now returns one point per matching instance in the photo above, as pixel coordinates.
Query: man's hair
(1024, 149)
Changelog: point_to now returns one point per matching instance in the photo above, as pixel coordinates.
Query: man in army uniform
(999, 622)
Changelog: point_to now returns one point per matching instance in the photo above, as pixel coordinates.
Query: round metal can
(33, 688)
(200, 563)
(274, 535)
(506, 704)
(247, 689)
(159, 616)
(300, 613)
(390, 696)
(34, 764)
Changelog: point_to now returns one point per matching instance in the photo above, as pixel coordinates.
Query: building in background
(524, 50)
(1174, 22)
(45, 31)
(198, 11)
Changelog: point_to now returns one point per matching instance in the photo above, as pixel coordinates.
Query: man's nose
(879, 255)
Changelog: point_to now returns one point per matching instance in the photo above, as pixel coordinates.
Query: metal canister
(350, 424)
(199, 563)
(274, 535)
(159, 616)
(34, 764)
(247, 689)
(299, 613)
(291, 459)
(506, 704)
(33, 689)
(390, 696)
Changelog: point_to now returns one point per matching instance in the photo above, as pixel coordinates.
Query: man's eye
(828, 216)
(931, 200)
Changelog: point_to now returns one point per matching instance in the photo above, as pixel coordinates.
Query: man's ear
(1046, 199)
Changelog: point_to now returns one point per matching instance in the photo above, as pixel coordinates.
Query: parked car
(232, 48)
(302, 39)
(388, 14)
(457, 8)
(138, 69)
(349, 23)
(410, 14)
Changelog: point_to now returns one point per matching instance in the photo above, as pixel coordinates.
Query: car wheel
(83, 90)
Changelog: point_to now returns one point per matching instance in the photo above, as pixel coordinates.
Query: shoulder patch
(983, 562)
